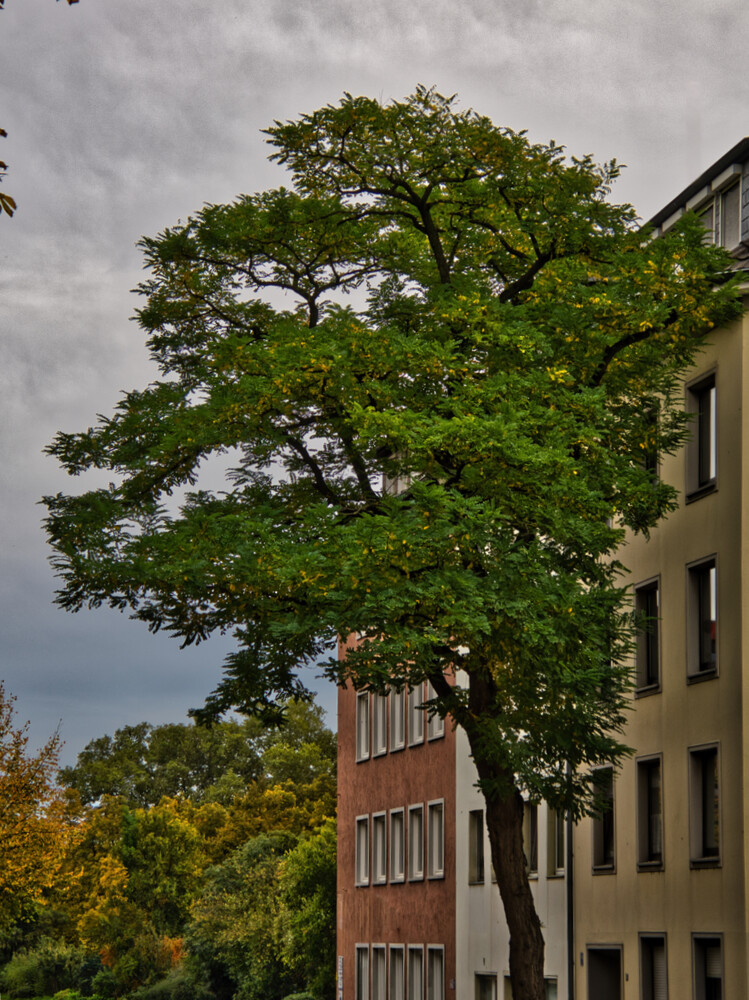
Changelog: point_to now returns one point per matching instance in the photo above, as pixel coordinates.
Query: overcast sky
(125, 115)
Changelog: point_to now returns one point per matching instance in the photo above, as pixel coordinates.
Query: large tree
(444, 462)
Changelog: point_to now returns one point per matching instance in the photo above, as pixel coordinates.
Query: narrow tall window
(435, 973)
(730, 219)
(397, 973)
(702, 467)
(397, 846)
(362, 725)
(362, 850)
(647, 607)
(708, 967)
(416, 715)
(653, 967)
(379, 724)
(379, 848)
(702, 619)
(530, 837)
(704, 806)
(476, 846)
(416, 842)
(397, 719)
(362, 972)
(379, 972)
(555, 843)
(485, 986)
(435, 724)
(415, 973)
(603, 824)
(436, 839)
(649, 813)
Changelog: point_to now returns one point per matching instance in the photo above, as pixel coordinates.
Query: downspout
(569, 885)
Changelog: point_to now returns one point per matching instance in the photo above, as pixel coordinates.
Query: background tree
(511, 336)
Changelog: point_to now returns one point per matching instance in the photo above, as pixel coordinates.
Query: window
(550, 989)
(649, 814)
(603, 824)
(397, 846)
(436, 839)
(555, 842)
(416, 842)
(530, 837)
(379, 724)
(653, 967)
(362, 850)
(702, 619)
(435, 724)
(730, 219)
(397, 719)
(605, 973)
(708, 967)
(476, 846)
(379, 972)
(435, 972)
(362, 725)
(704, 806)
(415, 972)
(379, 849)
(397, 973)
(485, 986)
(416, 715)
(362, 972)
(647, 658)
(702, 403)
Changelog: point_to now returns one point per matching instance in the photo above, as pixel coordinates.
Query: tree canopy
(434, 365)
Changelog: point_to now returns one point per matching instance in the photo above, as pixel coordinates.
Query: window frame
(379, 724)
(379, 950)
(363, 727)
(416, 719)
(647, 984)
(644, 768)
(435, 866)
(393, 993)
(530, 838)
(361, 951)
(413, 950)
(379, 835)
(603, 829)
(397, 719)
(432, 950)
(648, 639)
(700, 942)
(361, 860)
(702, 448)
(476, 847)
(415, 874)
(435, 722)
(696, 672)
(556, 851)
(394, 877)
(699, 854)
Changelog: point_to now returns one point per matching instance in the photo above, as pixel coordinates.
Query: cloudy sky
(125, 115)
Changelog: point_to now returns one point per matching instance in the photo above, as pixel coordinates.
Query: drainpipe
(569, 885)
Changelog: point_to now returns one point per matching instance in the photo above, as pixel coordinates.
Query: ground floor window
(708, 967)
(435, 973)
(362, 972)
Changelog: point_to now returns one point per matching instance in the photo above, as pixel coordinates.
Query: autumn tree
(33, 823)
(444, 462)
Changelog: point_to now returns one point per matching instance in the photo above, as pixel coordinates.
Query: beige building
(661, 884)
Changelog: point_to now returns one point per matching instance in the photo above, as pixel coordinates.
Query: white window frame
(699, 856)
(435, 983)
(379, 724)
(379, 972)
(397, 719)
(361, 972)
(415, 863)
(416, 715)
(696, 669)
(476, 847)
(435, 722)
(435, 839)
(362, 726)
(702, 450)
(556, 842)
(361, 851)
(379, 848)
(415, 962)
(397, 845)
(397, 973)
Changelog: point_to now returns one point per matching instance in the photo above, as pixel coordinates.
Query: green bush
(180, 983)
(50, 968)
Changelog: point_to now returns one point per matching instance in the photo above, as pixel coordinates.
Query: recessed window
(530, 837)
(485, 986)
(704, 807)
(436, 839)
(435, 723)
(730, 218)
(476, 846)
(649, 813)
(397, 845)
(397, 719)
(379, 848)
(415, 842)
(379, 724)
(379, 972)
(416, 715)
(702, 619)
(362, 725)
(653, 967)
(603, 824)
(702, 450)
(708, 967)
(362, 972)
(415, 972)
(397, 973)
(647, 608)
(362, 850)
(435, 972)
(555, 841)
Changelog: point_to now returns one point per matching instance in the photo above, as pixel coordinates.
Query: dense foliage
(149, 896)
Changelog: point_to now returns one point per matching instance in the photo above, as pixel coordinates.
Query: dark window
(705, 806)
(476, 845)
(647, 605)
(649, 813)
(530, 837)
(702, 469)
(653, 968)
(708, 968)
(603, 824)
